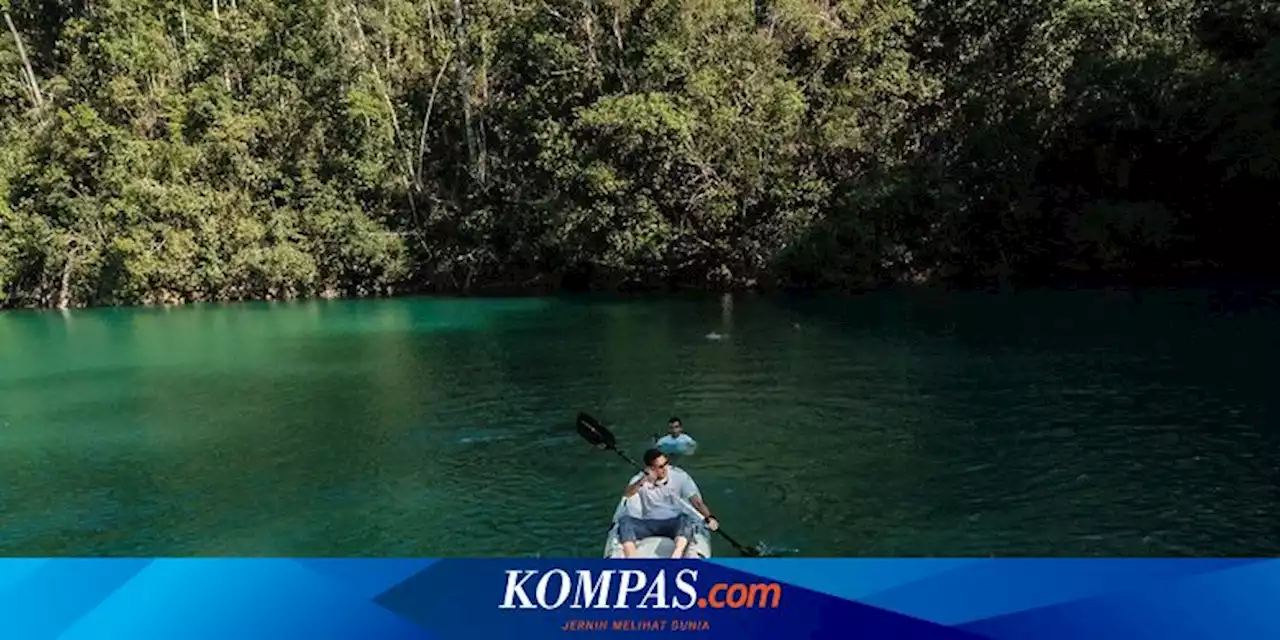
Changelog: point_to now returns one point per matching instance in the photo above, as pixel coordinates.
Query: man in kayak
(662, 491)
(676, 440)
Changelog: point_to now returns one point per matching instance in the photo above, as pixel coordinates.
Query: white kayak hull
(656, 546)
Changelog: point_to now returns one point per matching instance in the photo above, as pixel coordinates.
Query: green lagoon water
(883, 425)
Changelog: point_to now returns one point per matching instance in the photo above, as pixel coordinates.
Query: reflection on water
(1045, 424)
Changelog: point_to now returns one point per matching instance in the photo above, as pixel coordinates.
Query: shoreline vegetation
(172, 151)
(1231, 294)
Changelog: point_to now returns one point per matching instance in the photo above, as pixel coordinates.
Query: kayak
(656, 546)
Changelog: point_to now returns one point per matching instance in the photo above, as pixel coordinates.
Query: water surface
(888, 424)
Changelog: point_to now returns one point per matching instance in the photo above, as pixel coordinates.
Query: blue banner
(242, 599)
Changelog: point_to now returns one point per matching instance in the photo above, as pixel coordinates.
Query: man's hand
(707, 517)
(645, 478)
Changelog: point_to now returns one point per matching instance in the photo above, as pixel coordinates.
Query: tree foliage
(173, 150)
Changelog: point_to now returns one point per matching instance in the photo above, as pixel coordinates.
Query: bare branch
(36, 96)
(426, 120)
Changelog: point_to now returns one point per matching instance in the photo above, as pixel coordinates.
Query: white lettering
(541, 592)
(587, 590)
(591, 590)
(515, 588)
(627, 586)
(657, 591)
(685, 587)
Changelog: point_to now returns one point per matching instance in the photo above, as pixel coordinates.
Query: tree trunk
(36, 96)
(64, 285)
(426, 120)
(431, 19)
(386, 44)
(482, 156)
(589, 29)
(464, 84)
(373, 64)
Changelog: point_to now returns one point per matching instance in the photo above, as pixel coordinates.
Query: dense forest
(163, 151)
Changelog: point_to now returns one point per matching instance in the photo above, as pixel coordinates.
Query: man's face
(660, 467)
(675, 428)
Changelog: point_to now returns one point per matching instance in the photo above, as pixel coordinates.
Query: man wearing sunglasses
(662, 491)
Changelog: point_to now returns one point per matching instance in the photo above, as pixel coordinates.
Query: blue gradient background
(240, 599)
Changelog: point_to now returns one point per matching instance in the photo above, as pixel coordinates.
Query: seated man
(662, 490)
(676, 440)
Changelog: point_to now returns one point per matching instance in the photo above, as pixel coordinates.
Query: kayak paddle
(595, 433)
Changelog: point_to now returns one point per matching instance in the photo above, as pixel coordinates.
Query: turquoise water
(888, 424)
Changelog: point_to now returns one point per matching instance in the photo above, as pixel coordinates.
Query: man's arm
(713, 523)
(636, 483)
(701, 506)
(689, 491)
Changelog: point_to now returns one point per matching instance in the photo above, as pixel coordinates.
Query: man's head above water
(675, 427)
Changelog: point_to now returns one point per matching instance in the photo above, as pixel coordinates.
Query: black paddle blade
(592, 431)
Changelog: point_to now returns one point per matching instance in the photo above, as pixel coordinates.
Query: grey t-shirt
(663, 500)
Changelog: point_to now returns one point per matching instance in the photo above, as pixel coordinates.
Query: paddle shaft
(627, 458)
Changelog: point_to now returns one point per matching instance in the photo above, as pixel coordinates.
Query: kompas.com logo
(633, 588)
